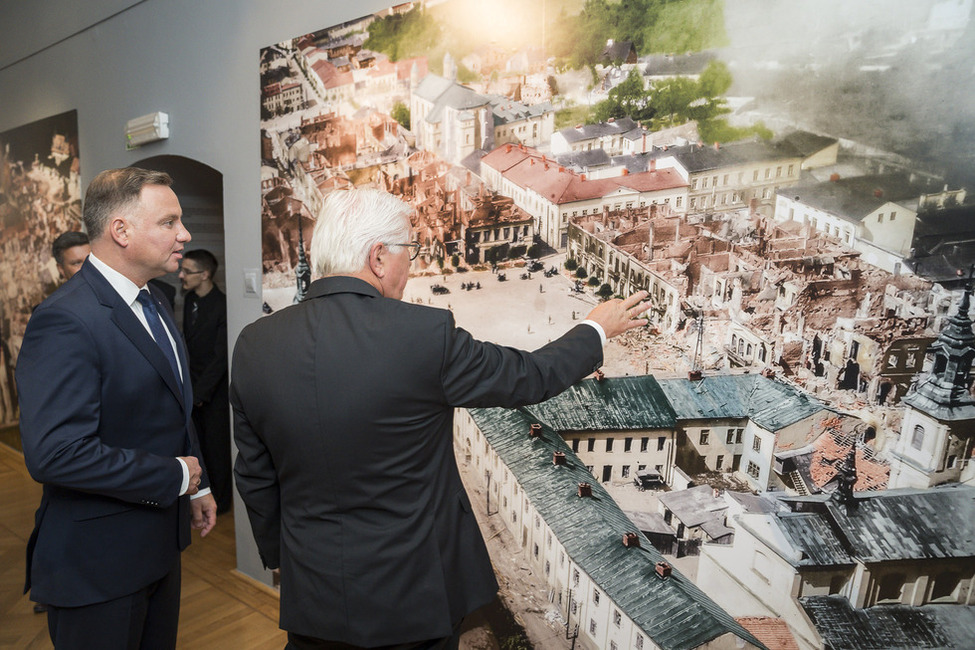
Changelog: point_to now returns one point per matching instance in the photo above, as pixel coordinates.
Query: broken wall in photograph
(40, 198)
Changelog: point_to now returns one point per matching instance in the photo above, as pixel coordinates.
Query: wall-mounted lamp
(145, 129)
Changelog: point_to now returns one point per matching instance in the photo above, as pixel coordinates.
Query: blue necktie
(158, 330)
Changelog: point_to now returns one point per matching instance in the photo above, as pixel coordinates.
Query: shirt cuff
(598, 328)
(185, 485)
(201, 493)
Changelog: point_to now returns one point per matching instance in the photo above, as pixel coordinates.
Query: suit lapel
(123, 317)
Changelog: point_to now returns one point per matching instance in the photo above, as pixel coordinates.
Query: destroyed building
(497, 229)
(637, 249)
(282, 216)
(793, 300)
(455, 213)
(874, 215)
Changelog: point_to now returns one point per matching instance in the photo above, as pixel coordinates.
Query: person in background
(343, 411)
(105, 422)
(70, 250)
(205, 331)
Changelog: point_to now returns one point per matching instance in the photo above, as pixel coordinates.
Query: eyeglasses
(414, 247)
(185, 272)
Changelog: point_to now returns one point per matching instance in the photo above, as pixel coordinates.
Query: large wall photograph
(526, 135)
(40, 198)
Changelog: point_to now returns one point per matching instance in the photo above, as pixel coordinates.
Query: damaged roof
(771, 404)
(673, 611)
(616, 403)
(890, 626)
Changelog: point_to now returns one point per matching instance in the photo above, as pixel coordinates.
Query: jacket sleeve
(257, 482)
(480, 374)
(59, 386)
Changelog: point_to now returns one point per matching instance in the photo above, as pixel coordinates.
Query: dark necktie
(158, 330)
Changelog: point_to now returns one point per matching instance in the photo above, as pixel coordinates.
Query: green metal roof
(617, 403)
(771, 404)
(673, 611)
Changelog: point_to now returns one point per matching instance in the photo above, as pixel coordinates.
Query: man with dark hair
(70, 250)
(343, 411)
(205, 331)
(106, 427)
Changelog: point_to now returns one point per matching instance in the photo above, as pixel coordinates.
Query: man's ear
(376, 253)
(118, 228)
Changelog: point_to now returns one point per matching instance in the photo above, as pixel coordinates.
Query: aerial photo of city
(783, 457)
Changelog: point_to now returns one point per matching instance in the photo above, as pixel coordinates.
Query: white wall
(114, 60)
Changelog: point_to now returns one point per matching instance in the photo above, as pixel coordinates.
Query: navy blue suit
(102, 422)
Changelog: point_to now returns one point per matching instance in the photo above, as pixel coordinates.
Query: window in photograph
(753, 470)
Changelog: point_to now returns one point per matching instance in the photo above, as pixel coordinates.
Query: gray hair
(350, 222)
(114, 190)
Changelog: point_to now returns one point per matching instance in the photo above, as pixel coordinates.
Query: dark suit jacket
(206, 343)
(168, 290)
(102, 422)
(343, 407)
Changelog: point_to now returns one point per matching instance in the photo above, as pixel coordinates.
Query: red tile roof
(331, 76)
(773, 632)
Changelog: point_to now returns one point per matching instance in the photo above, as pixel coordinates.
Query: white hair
(350, 222)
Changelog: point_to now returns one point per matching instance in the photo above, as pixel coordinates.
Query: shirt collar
(125, 287)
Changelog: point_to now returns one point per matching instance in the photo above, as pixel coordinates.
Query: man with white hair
(343, 410)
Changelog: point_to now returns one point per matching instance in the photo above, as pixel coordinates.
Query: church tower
(938, 429)
(303, 270)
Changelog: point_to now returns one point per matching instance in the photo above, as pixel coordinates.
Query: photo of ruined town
(40, 198)
(783, 456)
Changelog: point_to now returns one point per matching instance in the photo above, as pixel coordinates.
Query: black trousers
(299, 642)
(145, 620)
(212, 422)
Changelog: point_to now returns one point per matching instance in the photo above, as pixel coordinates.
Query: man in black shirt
(205, 331)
